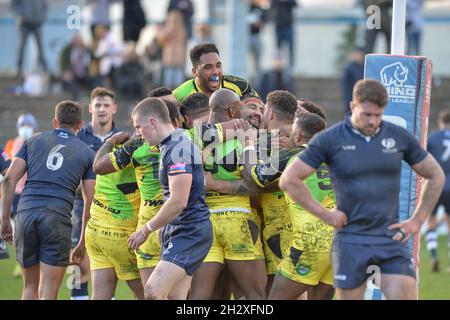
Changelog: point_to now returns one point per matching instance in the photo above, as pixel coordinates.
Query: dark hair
(159, 92)
(312, 107)
(69, 114)
(283, 103)
(370, 90)
(444, 117)
(309, 124)
(194, 104)
(197, 51)
(174, 111)
(101, 92)
(152, 107)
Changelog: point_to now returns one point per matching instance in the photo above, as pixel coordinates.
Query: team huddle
(218, 195)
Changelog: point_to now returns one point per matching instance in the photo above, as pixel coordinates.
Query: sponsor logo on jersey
(349, 147)
(342, 277)
(389, 145)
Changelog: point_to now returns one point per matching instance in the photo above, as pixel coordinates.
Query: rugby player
(306, 264)
(163, 93)
(145, 160)
(279, 114)
(195, 110)
(208, 75)
(184, 217)
(4, 165)
(236, 241)
(55, 162)
(364, 155)
(105, 231)
(439, 146)
(102, 107)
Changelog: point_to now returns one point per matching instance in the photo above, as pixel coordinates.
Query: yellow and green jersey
(223, 163)
(236, 84)
(316, 234)
(145, 160)
(116, 200)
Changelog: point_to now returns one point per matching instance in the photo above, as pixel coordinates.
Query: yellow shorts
(108, 248)
(235, 237)
(307, 260)
(149, 252)
(277, 232)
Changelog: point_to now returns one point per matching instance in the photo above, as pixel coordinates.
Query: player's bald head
(222, 99)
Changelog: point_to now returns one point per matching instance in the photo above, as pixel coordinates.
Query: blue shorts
(77, 221)
(187, 245)
(351, 262)
(42, 235)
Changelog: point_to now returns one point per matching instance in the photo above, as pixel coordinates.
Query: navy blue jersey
(56, 163)
(86, 134)
(180, 156)
(366, 176)
(94, 142)
(439, 147)
(4, 161)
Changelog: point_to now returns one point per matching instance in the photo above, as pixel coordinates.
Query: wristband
(149, 227)
(249, 148)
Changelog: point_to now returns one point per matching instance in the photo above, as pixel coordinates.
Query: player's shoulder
(184, 89)
(237, 84)
(333, 131)
(394, 129)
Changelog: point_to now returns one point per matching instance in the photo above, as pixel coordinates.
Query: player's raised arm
(102, 162)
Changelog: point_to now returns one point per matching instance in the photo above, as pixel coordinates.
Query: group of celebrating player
(190, 205)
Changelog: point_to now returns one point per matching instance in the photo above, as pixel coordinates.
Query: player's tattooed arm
(103, 163)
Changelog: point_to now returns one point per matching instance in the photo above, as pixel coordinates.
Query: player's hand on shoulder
(119, 137)
(336, 218)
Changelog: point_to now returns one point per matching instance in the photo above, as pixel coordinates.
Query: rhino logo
(394, 74)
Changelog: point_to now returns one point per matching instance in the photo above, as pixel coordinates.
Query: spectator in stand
(257, 17)
(172, 39)
(98, 14)
(275, 79)
(283, 15)
(353, 72)
(414, 26)
(108, 51)
(31, 15)
(187, 10)
(133, 20)
(129, 77)
(385, 23)
(74, 64)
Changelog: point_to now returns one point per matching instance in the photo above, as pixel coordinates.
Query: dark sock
(82, 293)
